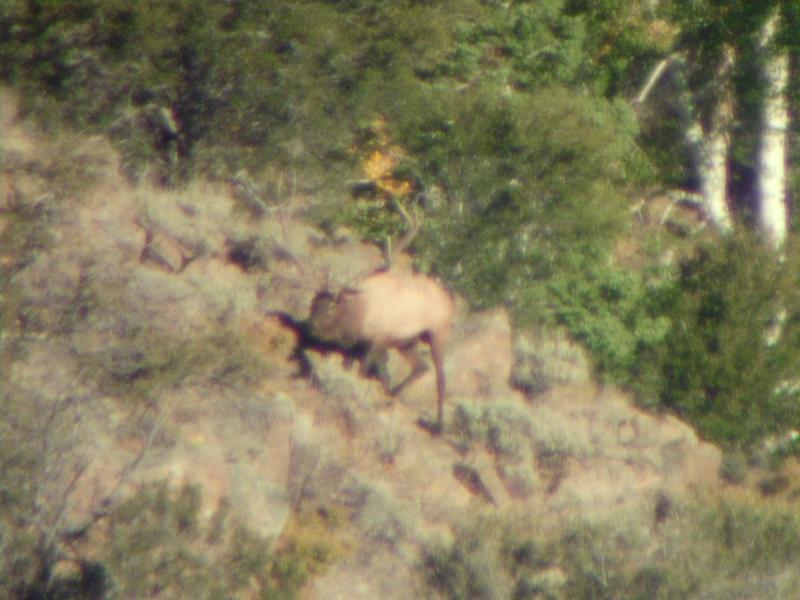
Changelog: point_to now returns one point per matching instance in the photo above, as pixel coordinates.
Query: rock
(164, 252)
(236, 454)
(268, 336)
(382, 574)
(685, 460)
(479, 474)
(479, 358)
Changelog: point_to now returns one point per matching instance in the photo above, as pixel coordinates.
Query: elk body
(389, 310)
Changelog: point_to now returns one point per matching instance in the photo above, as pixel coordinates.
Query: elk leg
(411, 353)
(376, 358)
(437, 354)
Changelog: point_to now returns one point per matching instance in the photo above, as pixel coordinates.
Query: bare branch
(655, 76)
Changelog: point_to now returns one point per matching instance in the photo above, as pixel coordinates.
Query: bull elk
(389, 309)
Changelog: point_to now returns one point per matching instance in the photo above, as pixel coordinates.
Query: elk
(389, 309)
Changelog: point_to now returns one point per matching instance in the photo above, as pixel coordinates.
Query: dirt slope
(148, 316)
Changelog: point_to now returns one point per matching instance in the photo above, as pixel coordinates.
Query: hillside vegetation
(177, 180)
(507, 127)
(162, 440)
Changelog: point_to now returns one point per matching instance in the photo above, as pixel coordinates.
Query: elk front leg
(375, 361)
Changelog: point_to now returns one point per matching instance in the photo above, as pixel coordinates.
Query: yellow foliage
(662, 33)
(380, 163)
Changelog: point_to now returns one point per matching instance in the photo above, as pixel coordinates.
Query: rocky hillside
(149, 332)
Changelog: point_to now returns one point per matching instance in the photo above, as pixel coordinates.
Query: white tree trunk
(771, 183)
(709, 147)
(713, 167)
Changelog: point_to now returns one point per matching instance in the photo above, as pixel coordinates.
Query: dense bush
(498, 107)
(714, 340)
(729, 360)
(535, 187)
(198, 84)
(724, 549)
(220, 86)
(615, 313)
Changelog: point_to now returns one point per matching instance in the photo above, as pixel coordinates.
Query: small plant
(508, 431)
(25, 230)
(379, 208)
(388, 444)
(490, 560)
(505, 428)
(466, 425)
(312, 541)
(156, 544)
(152, 361)
(250, 253)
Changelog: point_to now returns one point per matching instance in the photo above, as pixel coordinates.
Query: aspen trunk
(771, 182)
(709, 146)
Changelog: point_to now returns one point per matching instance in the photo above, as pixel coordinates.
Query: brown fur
(390, 310)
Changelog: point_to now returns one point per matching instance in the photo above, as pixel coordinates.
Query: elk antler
(413, 225)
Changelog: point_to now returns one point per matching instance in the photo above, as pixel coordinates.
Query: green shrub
(25, 232)
(197, 84)
(157, 545)
(149, 362)
(534, 191)
(151, 544)
(718, 365)
(613, 311)
(504, 428)
(697, 341)
(472, 567)
(19, 544)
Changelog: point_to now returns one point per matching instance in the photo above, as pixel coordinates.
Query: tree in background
(729, 69)
(773, 213)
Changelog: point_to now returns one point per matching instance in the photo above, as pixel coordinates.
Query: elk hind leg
(437, 354)
(418, 366)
